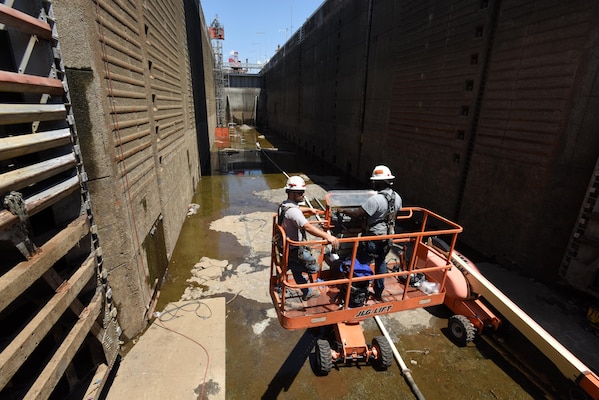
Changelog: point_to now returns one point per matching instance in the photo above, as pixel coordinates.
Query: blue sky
(254, 28)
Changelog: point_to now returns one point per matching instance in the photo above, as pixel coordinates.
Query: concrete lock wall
(484, 110)
(204, 96)
(137, 121)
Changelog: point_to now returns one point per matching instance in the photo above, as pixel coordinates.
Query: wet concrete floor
(224, 250)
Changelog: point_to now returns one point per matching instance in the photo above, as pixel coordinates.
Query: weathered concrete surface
(478, 113)
(139, 132)
(180, 356)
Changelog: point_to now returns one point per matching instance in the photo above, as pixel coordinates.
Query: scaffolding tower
(217, 35)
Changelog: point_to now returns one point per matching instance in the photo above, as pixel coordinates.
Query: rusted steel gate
(55, 304)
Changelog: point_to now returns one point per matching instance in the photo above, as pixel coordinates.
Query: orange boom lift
(335, 306)
(423, 270)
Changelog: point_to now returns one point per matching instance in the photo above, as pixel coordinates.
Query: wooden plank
(54, 370)
(52, 195)
(22, 83)
(53, 279)
(97, 383)
(15, 146)
(18, 279)
(26, 176)
(24, 23)
(40, 201)
(22, 113)
(21, 347)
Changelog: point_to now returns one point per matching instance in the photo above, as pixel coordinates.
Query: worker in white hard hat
(291, 217)
(379, 212)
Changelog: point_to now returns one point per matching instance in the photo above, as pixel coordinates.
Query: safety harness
(302, 253)
(389, 216)
(390, 212)
(370, 247)
(283, 208)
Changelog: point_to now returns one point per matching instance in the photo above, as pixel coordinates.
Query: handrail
(418, 237)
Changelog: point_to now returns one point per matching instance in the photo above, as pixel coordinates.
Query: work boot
(377, 296)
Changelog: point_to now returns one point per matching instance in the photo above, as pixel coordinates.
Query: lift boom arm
(565, 361)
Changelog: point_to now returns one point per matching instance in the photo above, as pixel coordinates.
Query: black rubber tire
(384, 357)
(324, 358)
(461, 330)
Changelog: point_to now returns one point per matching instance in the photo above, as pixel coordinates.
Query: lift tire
(324, 358)
(461, 330)
(384, 357)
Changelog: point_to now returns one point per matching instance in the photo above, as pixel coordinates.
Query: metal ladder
(581, 238)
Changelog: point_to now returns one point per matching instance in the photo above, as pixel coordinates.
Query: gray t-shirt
(293, 221)
(376, 207)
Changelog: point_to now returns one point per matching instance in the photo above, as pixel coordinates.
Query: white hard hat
(295, 184)
(381, 173)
